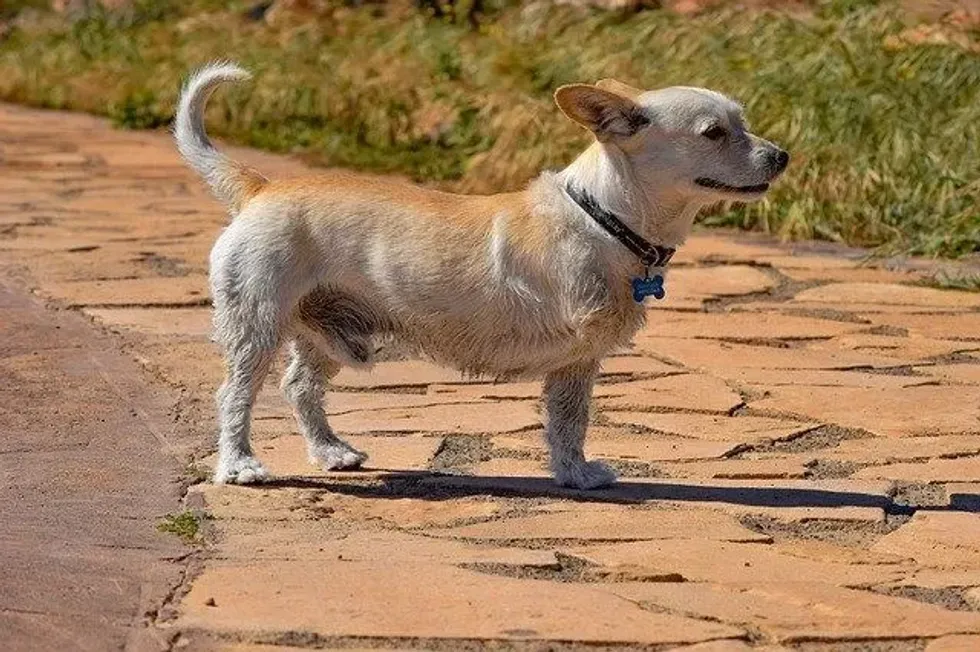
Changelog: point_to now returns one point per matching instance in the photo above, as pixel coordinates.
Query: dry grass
(882, 116)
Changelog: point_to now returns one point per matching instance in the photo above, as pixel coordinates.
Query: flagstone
(155, 321)
(931, 471)
(714, 355)
(171, 292)
(890, 412)
(957, 326)
(961, 643)
(624, 523)
(805, 609)
(486, 417)
(705, 560)
(937, 539)
(889, 294)
(878, 450)
(712, 427)
(614, 442)
(740, 325)
(685, 391)
(378, 598)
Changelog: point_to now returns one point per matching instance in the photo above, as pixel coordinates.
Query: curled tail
(231, 182)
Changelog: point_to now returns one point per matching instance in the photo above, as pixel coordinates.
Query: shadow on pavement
(433, 486)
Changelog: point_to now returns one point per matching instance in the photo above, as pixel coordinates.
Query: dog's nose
(781, 160)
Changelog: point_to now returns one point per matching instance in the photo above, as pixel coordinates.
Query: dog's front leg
(567, 393)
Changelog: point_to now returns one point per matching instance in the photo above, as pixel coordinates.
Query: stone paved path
(799, 436)
(84, 479)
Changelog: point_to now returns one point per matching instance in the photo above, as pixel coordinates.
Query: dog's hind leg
(304, 385)
(567, 394)
(253, 292)
(248, 365)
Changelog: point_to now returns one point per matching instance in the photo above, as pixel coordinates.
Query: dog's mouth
(705, 182)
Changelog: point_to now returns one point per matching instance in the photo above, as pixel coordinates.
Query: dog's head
(688, 141)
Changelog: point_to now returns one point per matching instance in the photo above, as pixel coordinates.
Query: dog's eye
(713, 132)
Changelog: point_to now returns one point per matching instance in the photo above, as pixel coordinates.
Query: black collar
(650, 255)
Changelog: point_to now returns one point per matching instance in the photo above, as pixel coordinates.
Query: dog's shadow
(426, 485)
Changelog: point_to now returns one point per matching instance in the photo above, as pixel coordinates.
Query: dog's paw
(240, 470)
(337, 457)
(585, 475)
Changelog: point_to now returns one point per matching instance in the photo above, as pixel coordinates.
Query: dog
(542, 283)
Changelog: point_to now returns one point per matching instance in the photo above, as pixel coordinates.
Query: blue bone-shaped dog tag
(648, 287)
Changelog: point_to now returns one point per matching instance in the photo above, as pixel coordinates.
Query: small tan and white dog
(527, 284)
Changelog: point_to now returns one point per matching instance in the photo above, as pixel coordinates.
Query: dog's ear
(619, 88)
(606, 114)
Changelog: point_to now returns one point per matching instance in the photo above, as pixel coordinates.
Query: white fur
(218, 171)
(523, 285)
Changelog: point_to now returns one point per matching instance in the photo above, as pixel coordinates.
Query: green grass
(884, 130)
(186, 525)
(195, 473)
(945, 280)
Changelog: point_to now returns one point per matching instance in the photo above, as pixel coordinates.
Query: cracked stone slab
(906, 349)
(666, 323)
(937, 539)
(334, 504)
(757, 379)
(507, 467)
(962, 643)
(691, 287)
(889, 412)
(193, 363)
(723, 562)
(851, 312)
(272, 405)
(730, 645)
(721, 357)
(85, 260)
(740, 429)
(741, 469)
(471, 418)
(400, 373)
(610, 383)
(805, 610)
(258, 503)
(634, 365)
(685, 391)
(286, 455)
(730, 280)
(889, 294)
(612, 524)
(613, 442)
(528, 391)
(155, 321)
(967, 374)
(933, 578)
(796, 260)
(802, 514)
(964, 326)
(186, 290)
(842, 553)
(341, 598)
(879, 450)
(707, 247)
(851, 275)
(324, 541)
(932, 471)
(419, 513)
